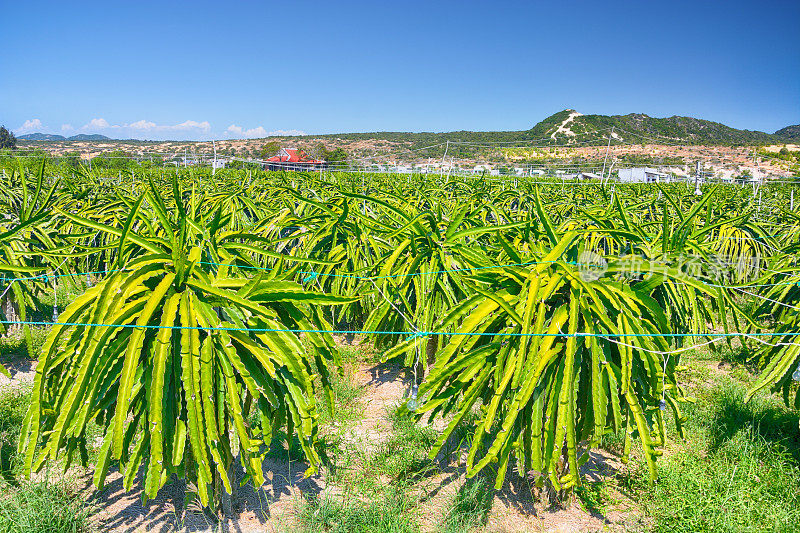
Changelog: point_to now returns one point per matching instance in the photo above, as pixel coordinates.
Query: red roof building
(293, 159)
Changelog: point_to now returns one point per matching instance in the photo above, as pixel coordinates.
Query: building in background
(293, 159)
(642, 175)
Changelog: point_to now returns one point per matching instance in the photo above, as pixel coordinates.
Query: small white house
(580, 176)
(585, 176)
(642, 175)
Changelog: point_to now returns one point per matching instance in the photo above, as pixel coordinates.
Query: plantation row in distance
(550, 316)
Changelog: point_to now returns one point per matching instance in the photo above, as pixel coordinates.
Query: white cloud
(30, 126)
(97, 124)
(190, 129)
(286, 133)
(146, 129)
(260, 131)
(143, 125)
(190, 125)
(241, 132)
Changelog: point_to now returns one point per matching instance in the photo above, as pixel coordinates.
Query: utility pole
(697, 190)
(608, 147)
(446, 147)
(214, 165)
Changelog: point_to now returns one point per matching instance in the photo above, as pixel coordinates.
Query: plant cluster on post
(26, 231)
(170, 354)
(778, 356)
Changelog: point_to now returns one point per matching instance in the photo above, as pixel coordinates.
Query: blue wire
(412, 334)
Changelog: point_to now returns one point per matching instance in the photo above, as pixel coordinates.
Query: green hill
(641, 128)
(53, 137)
(559, 129)
(89, 137)
(41, 137)
(789, 134)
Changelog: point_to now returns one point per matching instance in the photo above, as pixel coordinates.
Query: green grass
(15, 346)
(404, 455)
(347, 407)
(13, 405)
(739, 471)
(594, 496)
(470, 507)
(43, 508)
(387, 514)
(32, 507)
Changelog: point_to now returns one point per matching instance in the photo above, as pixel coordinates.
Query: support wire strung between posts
(55, 300)
(796, 373)
(412, 402)
(662, 404)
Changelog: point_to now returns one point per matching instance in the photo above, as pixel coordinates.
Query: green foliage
(14, 402)
(116, 160)
(204, 335)
(334, 514)
(789, 134)
(43, 507)
(640, 128)
(269, 149)
(739, 473)
(347, 394)
(335, 157)
(160, 355)
(404, 454)
(594, 496)
(7, 139)
(470, 508)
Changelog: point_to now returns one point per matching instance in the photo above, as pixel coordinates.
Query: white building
(642, 175)
(580, 176)
(586, 176)
(481, 168)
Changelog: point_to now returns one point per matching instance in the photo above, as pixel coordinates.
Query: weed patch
(43, 507)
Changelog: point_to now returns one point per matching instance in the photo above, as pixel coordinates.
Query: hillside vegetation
(633, 128)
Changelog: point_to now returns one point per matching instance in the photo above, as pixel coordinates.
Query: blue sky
(199, 70)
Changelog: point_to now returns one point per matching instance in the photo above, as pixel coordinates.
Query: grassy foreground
(738, 470)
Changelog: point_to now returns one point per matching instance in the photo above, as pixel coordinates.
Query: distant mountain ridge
(571, 126)
(565, 127)
(53, 137)
(790, 133)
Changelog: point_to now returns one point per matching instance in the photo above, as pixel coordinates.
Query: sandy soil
(22, 371)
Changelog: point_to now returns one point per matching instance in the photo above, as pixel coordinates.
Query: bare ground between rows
(22, 370)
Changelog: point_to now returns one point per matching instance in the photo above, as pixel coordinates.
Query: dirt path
(22, 371)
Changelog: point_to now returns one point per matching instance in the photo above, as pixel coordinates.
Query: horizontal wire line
(407, 333)
(369, 278)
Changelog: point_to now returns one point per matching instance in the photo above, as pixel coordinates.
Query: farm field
(366, 352)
